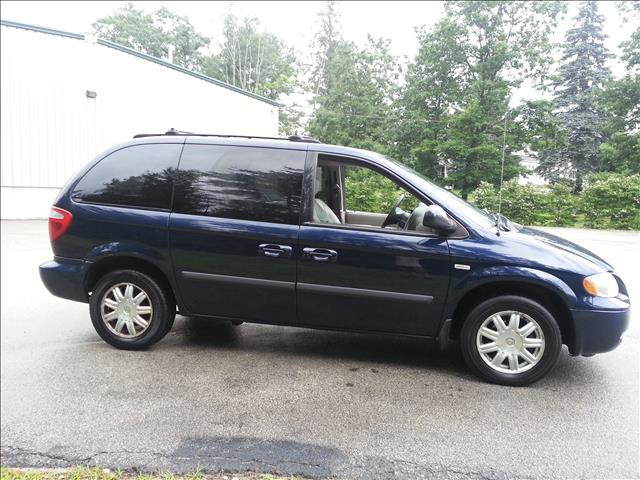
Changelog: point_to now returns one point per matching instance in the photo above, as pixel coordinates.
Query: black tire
(161, 320)
(475, 319)
(171, 321)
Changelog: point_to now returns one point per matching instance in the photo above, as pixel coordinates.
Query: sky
(295, 21)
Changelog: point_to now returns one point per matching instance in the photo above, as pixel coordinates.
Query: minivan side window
(244, 183)
(136, 176)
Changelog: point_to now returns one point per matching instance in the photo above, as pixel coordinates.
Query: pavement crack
(69, 460)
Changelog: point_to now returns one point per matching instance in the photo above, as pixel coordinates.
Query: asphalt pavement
(294, 401)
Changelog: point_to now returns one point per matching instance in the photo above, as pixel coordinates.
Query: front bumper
(64, 277)
(598, 331)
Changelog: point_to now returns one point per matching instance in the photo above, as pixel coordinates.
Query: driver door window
(359, 196)
(371, 199)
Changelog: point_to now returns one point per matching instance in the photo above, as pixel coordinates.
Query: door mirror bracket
(435, 217)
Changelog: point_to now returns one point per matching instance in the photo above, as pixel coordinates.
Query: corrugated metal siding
(49, 128)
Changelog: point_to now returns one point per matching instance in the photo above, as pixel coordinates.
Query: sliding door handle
(275, 251)
(320, 254)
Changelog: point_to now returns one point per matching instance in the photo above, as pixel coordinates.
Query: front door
(234, 231)
(353, 274)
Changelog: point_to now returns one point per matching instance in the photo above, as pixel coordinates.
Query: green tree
(581, 75)
(433, 89)
(356, 108)
(253, 60)
(474, 145)
(324, 49)
(154, 34)
(501, 42)
(458, 87)
(291, 119)
(620, 100)
(538, 128)
(631, 47)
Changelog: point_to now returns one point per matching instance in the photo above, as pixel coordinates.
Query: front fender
(463, 282)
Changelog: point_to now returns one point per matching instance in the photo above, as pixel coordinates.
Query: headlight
(601, 285)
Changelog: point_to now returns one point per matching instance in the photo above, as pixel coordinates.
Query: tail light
(59, 222)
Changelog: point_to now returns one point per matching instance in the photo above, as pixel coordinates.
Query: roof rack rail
(302, 138)
(173, 131)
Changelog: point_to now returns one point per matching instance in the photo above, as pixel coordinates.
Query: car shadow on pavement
(312, 343)
(358, 347)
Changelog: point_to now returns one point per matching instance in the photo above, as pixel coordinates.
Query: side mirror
(435, 217)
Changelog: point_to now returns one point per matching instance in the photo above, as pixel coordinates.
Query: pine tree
(582, 74)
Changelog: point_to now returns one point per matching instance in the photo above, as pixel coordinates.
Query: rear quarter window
(136, 176)
(244, 183)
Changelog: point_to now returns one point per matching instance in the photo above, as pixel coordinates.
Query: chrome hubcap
(126, 310)
(510, 342)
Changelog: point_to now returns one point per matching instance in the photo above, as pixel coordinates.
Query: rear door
(234, 231)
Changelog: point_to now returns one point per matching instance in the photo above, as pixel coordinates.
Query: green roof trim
(144, 56)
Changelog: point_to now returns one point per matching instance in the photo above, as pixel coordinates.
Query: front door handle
(320, 254)
(275, 251)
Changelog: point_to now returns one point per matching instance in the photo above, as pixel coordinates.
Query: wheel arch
(547, 297)
(105, 265)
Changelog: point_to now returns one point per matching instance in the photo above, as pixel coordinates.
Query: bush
(368, 191)
(485, 197)
(527, 204)
(530, 204)
(559, 207)
(521, 202)
(612, 200)
(609, 200)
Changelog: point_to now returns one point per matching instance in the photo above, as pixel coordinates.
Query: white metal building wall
(50, 128)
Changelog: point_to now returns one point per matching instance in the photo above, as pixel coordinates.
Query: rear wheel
(129, 310)
(510, 340)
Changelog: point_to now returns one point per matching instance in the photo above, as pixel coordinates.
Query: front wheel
(129, 310)
(510, 340)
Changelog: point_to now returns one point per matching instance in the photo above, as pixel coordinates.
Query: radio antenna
(504, 148)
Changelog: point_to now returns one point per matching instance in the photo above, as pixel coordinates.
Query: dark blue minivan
(278, 231)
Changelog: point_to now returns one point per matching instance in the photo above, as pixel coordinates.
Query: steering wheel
(394, 213)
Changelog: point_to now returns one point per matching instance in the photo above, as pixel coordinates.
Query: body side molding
(362, 292)
(230, 279)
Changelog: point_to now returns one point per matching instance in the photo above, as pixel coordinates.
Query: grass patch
(78, 473)
(86, 473)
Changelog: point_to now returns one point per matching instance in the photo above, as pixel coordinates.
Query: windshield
(448, 199)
